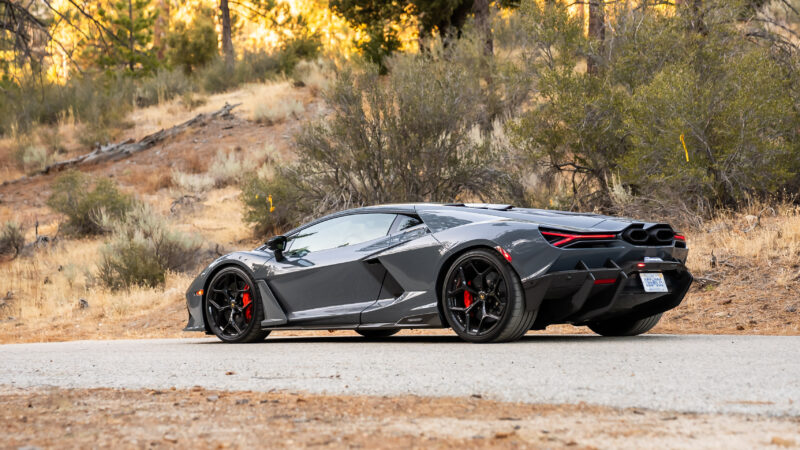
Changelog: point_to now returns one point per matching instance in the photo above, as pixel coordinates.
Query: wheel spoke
(456, 290)
(463, 277)
(235, 326)
(217, 306)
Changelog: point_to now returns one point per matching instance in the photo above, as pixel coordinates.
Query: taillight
(560, 239)
(680, 237)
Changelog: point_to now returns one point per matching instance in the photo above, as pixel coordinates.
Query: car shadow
(439, 339)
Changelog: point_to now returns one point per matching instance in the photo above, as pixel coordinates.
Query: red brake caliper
(248, 312)
(467, 298)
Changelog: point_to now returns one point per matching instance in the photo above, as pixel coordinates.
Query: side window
(340, 232)
(405, 222)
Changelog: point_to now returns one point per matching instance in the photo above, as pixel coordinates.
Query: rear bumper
(585, 294)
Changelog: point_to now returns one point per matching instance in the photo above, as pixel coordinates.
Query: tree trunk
(597, 31)
(480, 8)
(698, 17)
(227, 43)
(161, 27)
(131, 61)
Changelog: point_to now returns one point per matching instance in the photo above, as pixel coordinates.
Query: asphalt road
(743, 374)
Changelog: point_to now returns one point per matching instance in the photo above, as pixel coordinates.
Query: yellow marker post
(271, 208)
(685, 150)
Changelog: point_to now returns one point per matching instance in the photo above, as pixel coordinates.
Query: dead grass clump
(273, 103)
(153, 182)
(315, 75)
(196, 183)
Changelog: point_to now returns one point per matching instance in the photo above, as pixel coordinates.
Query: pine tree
(128, 44)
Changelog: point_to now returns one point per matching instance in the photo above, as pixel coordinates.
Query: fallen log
(128, 147)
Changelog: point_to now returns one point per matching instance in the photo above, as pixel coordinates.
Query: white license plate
(653, 282)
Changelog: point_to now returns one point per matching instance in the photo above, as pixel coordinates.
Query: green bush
(12, 239)
(101, 101)
(724, 93)
(413, 136)
(194, 45)
(142, 249)
(271, 204)
(85, 201)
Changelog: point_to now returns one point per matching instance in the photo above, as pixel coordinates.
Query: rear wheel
(483, 300)
(378, 333)
(232, 308)
(625, 327)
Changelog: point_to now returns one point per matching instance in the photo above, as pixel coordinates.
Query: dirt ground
(199, 418)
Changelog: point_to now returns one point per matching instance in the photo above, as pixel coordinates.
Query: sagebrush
(142, 248)
(84, 200)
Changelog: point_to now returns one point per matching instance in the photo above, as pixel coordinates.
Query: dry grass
(273, 103)
(747, 274)
(43, 296)
(315, 75)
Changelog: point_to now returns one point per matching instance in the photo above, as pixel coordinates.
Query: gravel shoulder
(199, 418)
(698, 374)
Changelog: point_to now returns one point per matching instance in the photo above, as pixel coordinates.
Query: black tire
(508, 322)
(222, 318)
(625, 327)
(378, 333)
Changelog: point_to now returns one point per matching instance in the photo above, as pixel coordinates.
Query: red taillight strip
(680, 237)
(573, 237)
(605, 281)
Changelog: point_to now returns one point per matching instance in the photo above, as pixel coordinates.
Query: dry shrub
(227, 168)
(143, 248)
(315, 75)
(196, 183)
(12, 239)
(84, 200)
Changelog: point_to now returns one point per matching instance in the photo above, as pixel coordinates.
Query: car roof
(411, 207)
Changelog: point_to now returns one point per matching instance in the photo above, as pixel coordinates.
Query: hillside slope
(750, 284)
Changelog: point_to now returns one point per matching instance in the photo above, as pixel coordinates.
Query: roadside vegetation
(687, 113)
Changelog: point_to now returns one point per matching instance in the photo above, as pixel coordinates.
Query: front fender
(251, 262)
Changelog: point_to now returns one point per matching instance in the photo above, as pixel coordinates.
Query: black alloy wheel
(483, 299)
(232, 308)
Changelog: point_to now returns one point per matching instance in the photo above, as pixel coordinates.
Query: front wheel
(625, 327)
(483, 300)
(232, 308)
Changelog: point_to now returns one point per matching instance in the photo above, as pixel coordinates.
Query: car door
(323, 278)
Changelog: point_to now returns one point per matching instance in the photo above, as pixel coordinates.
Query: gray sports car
(489, 272)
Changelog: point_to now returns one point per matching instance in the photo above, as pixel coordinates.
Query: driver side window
(340, 232)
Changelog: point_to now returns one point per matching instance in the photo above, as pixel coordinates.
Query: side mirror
(277, 244)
